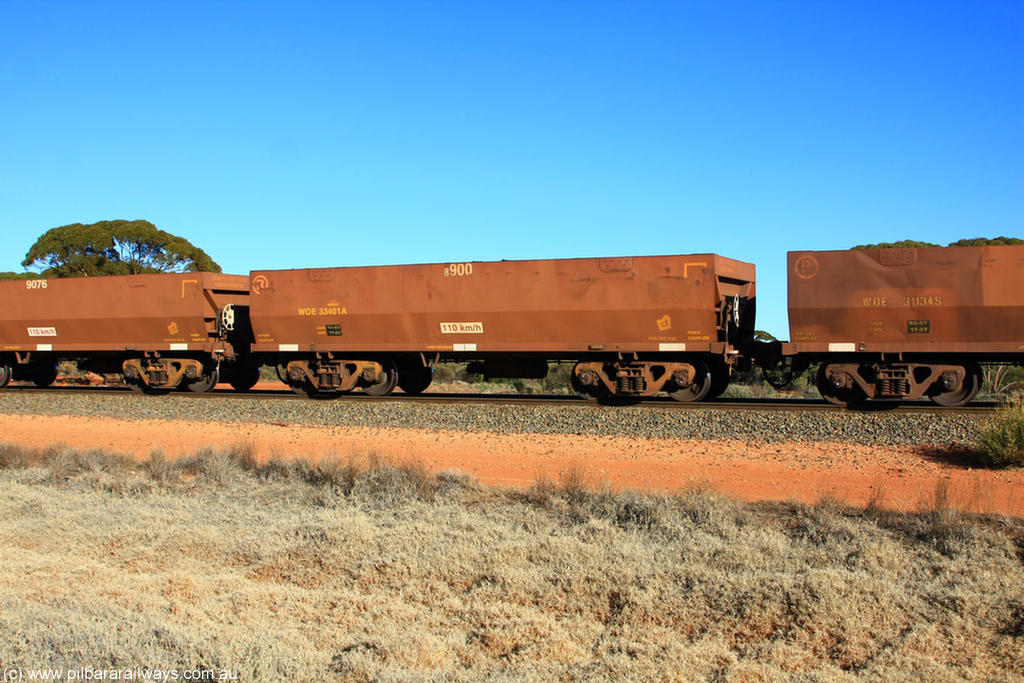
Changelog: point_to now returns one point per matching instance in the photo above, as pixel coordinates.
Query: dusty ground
(900, 478)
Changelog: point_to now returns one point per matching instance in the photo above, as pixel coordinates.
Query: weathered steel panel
(160, 312)
(923, 300)
(651, 303)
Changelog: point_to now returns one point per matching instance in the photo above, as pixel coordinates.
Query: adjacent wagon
(905, 323)
(160, 331)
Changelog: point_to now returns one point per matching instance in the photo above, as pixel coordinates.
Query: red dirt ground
(901, 478)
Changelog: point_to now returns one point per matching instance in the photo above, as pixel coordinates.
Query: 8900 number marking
(458, 270)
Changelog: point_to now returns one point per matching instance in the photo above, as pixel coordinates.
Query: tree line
(116, 247)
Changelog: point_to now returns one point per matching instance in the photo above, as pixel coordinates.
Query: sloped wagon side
(632, 326)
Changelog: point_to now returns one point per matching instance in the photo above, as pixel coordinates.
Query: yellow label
(922, 301)
(322, 310)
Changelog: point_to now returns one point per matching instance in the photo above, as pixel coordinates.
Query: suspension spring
(630, 384)
(893, 387)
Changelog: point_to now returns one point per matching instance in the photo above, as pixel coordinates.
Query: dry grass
(356, 569)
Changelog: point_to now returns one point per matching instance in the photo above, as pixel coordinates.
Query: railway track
(656, 403)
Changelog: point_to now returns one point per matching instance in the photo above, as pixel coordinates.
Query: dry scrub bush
(244, 455)
(212, 466)
(942, 524)
(13, 456)
(159, 467)
(334, 471)
(276, 468)
(386, 484)
(1001, 442)
(542, 491)
(65, 463)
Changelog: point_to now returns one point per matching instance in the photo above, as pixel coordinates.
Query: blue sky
(279, 135)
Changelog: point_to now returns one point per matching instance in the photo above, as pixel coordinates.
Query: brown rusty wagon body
(160, 330)
(635, 325)
(898, 323)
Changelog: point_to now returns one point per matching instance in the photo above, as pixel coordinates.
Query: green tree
(985, 241)
(114, 248)
(902, 244)
(970, 242)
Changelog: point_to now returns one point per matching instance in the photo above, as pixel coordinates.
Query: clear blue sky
(278, 135)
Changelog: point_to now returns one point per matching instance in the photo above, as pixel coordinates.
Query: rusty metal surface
(560, 307)
(131, 312)
(920, 300)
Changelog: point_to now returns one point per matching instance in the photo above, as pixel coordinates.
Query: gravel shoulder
(898, 460)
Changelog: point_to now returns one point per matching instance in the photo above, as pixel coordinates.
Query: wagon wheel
(387, 383)
(5, 375)
(578, 387)
(303, 388)
(244, 378)
(592, 391)
(205, 383)
(719, 381)
(414, 380)
(848, 395)
(699, 388)
(44, 375)
(959, 396)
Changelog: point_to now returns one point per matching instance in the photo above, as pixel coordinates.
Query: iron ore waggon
(905, 323)
(632, 326)
(160, 331)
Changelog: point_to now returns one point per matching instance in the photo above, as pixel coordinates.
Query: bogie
(684, 381)
(946, 383)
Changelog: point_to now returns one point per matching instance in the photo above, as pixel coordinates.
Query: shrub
(218, 467)
(336, 472)
(388, 483)
(244, 454)
(159, 468)
(14, 456)
(1001, 442)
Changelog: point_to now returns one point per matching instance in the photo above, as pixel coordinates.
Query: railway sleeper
(637, 378)
(156, 373)
(945, 384)
(333, 375)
